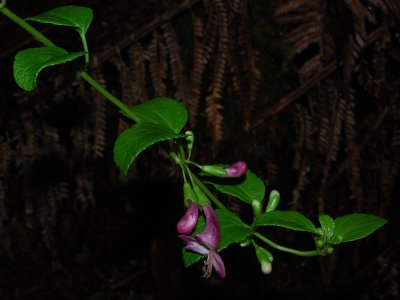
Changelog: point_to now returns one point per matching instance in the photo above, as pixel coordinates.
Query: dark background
(307, 92)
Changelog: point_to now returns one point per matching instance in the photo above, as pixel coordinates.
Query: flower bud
(189, 220)
(188, 193)
(201, 198)
(214, 170)
(273, 201)
(189, 139)
(265, 258)
(257, 207)
(237, 169)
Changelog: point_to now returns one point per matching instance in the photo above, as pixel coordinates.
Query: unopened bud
(189, 220)
(237, 169)
(202, 198)
(273, 201)
(189, 139)
(215, 170)
(188, 193)
(257, 207)
(265, 258)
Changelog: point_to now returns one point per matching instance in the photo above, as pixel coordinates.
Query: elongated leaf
(355, 226)
(165, 112)
(233, 230)
(78, 17)
(327, 225)
(249, 189)
(28, 63)
(288, 219)
(137, 138)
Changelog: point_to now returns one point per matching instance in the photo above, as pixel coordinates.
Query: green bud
(202, 198)
(330, 250)
(273, 201)
(257, 207)
(215, 170)
(189, 139)
(265, 259)
(320, 243)
(188, 193)
(319, 231)
(245, 243)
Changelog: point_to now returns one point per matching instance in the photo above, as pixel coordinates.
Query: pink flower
(237, 169)
(206, 243)
(189, 220)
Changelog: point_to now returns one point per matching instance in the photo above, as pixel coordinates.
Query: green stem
(21, 22)
(85, 48)
(45, 41)
(286, 249)
(206, 191)
(107, 94)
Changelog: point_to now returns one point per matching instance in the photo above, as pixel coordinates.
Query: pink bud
(237, 169)
(189, 220)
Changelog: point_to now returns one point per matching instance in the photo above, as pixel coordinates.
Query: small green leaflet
(78, 17)
(248, 189)
(355, 226)
(287, 219)
(28, 63)
(232, 230)
(163, 111)
(137, 138)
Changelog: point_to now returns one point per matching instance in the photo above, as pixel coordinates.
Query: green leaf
(163, 111)
(248, 189)
(28, 63)
(288, 219)
(232, 230)
(137, 138)
(78, 17)
(327, 225)
(355, 226)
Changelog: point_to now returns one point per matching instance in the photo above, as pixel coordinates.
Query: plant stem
(21, 22)
(285, 249)
(107, 94)
(206, 191)
(85, 48)
(45, 41)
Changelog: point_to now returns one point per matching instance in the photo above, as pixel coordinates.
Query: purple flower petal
(189, 220)
(210, 235)
(193, 245)
(237, 169)
(218, 264)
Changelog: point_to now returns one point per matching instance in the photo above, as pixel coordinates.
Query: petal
(210, 235)
(237, 169)
(189, 220)
(218, 264)
(193, 245)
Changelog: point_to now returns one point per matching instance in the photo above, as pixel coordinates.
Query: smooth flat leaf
(28, 63)
(78, 17)
(288, 219)
(232, 230)
(327, 225)
(161, 111)
(355, 226)
(137, 138)
(249, 189)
